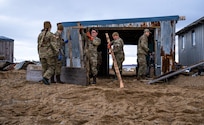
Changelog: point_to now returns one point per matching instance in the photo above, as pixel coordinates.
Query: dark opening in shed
(130, 36)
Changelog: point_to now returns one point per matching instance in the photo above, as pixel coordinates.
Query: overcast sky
(22, 20)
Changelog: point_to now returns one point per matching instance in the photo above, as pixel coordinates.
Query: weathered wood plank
(6, 50)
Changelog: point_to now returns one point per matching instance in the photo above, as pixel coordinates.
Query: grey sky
(22, 20)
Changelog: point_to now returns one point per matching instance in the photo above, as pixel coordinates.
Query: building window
(193, 38)
(183, 42)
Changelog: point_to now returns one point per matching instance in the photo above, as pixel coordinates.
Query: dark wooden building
(6, 49)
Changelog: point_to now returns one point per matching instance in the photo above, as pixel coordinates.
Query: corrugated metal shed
(161, 42)
(191, 43)
(6, 48)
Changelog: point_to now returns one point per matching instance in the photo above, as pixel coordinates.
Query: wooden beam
(81, 47)
(70, 47)
(115, 63)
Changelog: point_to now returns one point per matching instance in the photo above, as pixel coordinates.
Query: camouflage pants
(119, 58)
(142, 62)
(58, 67)
(48, 67)
(93, 64)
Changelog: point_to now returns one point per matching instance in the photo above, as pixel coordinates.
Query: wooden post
(86, 60)
(83, 52)
(70, 47)
(81, 48)
(115, 63)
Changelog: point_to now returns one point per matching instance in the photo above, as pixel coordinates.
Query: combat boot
(58, 79)
(144, 77)
(52, 79)
(45, 81)
(138, 77)
(115, 76)
(121, 73)
(94, 80)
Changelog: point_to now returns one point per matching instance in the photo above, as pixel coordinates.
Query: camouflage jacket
(60, 42)
(47, 46)
(118, 46)
(91, 45)
(142, 47)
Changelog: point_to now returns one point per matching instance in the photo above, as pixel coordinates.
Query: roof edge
(190, 26)
(6, 38)
(121, 21)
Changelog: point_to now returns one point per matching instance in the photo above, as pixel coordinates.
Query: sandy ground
(177, 102)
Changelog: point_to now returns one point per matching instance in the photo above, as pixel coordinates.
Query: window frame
(183, 40)
(193, 39)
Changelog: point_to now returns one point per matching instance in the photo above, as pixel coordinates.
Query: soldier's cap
(147, 30)
(60, 27)
(47, 24)
(115, 34)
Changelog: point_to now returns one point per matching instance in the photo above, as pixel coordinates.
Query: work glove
(89, 36)
(108, 45)
(66, 41)
(59, 57)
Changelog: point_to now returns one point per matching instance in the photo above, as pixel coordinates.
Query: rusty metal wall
(167, 46)
(7, 49)
(191, 54)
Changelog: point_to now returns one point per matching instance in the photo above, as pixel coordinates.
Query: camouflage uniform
(92, 54)
(118, 52)
(47, 50)
(60, 44)
(142, 51)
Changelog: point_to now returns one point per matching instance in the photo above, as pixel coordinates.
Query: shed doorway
(130, 36)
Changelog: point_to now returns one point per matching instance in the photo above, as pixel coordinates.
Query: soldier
(118, 45)
(92, 42)
(60, 44)
(47, 50)
(142, 51)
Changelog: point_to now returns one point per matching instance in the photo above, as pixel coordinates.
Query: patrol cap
(60, 26)
(115, 34)
(47, 24)
(147, 30)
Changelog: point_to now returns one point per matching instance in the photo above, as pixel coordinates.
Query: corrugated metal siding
(167, 45)
(157, 51)
(7, 49)
(75, 48)
(192, 54)
(164, 28)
